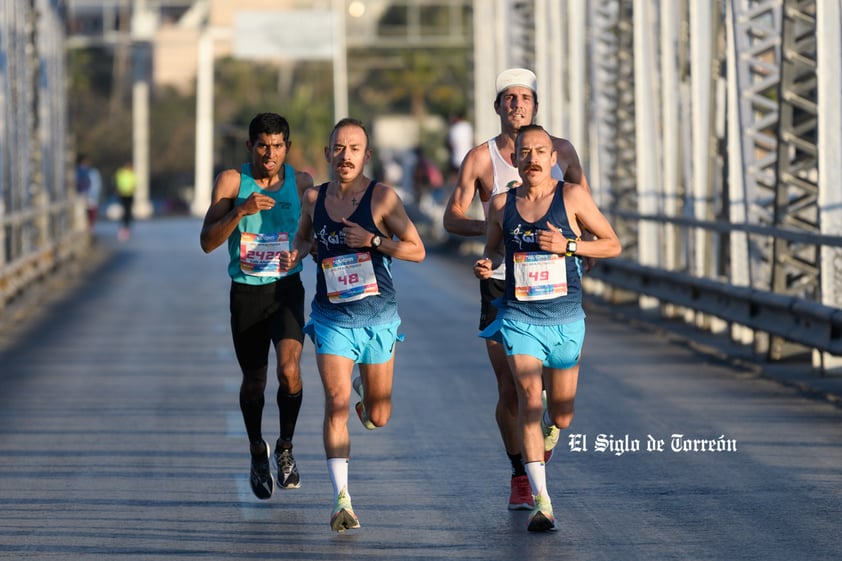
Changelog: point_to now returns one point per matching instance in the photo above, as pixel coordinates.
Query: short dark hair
(268, 123)
(349, 121)
(530, 128)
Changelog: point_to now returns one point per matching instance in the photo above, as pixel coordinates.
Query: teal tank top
(253, 245)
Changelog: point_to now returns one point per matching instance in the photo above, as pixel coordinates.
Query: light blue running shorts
(557, 346)
(363, 345)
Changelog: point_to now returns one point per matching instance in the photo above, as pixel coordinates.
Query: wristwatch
(571, 248)
(376, 241)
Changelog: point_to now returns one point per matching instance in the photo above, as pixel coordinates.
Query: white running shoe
(541, 518)
(343, 517)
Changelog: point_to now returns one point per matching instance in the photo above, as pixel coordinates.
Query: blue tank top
(379, 309)
(264, 225)
(520, 236)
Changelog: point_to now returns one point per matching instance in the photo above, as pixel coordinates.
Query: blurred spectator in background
(89, 185)
(126, 182)
(426, 178)
(460, 139)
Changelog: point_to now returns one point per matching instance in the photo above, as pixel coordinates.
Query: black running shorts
(489, 290)
(265, 314)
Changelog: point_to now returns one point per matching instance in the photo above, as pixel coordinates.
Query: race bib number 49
(349, 277)
(260, 253)
(539, 276)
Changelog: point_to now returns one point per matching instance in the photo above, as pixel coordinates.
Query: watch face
(571, 246)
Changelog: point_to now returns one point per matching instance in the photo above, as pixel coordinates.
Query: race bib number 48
(349, 277)
(539, 276)
(260, 253)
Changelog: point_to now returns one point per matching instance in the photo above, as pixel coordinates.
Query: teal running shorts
(363, 345)
(557, 346)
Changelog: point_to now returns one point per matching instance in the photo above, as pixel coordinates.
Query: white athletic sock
(338, 470)
(537, 477)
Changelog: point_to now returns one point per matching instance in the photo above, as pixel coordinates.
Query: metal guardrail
(794, 319)
(42, 219)
(725, 227)
(62, 237)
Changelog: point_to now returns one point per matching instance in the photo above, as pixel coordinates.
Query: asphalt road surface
(121, 437)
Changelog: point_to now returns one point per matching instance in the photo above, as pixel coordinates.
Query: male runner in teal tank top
(256, 210)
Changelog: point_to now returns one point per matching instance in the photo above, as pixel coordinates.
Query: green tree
(415, 81)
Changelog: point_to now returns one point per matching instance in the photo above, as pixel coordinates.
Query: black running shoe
(287, 470)
(262, 483)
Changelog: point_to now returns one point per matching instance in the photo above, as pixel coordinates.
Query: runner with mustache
(488, 169)
(536, 229)
(358, 225)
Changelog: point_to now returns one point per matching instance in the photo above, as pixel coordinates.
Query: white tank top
(506, 176)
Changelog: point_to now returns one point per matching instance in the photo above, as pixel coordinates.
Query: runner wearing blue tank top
(535, 228)
(489, 169)
(358, 225)
(256, 210)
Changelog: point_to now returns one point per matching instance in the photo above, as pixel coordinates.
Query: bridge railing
(40, 241)
(42, 222)
(794, 319)
(791, 317)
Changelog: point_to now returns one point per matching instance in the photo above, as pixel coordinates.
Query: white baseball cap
(516, 77)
